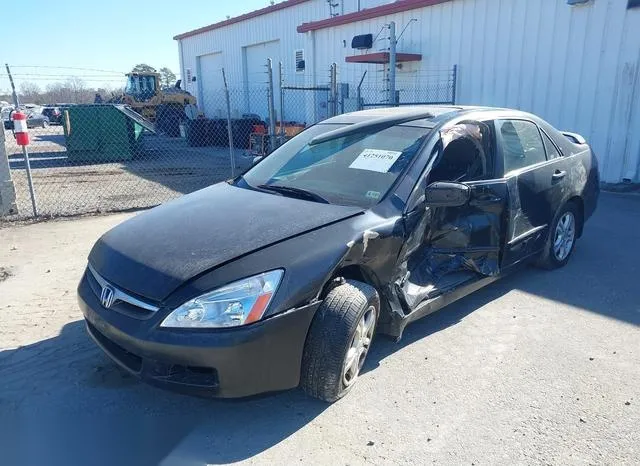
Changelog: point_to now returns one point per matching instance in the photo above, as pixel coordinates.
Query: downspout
(183, 74)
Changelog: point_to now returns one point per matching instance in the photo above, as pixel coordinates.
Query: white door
(211, 98)
(256, 77)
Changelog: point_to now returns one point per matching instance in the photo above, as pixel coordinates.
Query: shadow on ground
(64, 391)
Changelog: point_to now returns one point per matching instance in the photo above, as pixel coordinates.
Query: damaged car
(358, 226)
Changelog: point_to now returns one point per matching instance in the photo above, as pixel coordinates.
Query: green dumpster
(101, 133)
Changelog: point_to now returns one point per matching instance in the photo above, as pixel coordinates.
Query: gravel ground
(165, 169)
(540, 367)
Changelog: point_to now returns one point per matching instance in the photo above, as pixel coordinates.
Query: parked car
(37, 120)
(54, 114)
(361, 224)
(34, 120)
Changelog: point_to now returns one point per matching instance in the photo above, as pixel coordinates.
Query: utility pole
(25, 151)
(393, 42)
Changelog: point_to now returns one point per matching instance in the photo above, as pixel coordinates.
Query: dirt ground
(538, 368)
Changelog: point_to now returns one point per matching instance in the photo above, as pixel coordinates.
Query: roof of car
(439, 114)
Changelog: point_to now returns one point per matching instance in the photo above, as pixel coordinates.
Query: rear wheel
(339, 340)
(45, 123)
(562, 238)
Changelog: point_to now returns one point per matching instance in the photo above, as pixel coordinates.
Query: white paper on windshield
(375, 160)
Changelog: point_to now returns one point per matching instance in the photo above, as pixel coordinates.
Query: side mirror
(446, 194)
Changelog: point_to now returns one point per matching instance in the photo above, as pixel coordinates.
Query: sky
(111, 36)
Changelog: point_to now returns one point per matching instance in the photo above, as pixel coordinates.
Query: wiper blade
(295, 192)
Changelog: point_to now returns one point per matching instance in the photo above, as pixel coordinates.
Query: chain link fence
(108, 157)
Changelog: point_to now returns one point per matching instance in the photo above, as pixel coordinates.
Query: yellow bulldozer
(164, 107)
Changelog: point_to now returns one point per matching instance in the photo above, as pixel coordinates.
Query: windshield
(357, 169)
(140, 87)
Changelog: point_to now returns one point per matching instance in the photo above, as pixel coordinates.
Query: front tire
(562, 238)
(339, 340)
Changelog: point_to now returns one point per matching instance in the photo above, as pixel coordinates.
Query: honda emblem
(107, 296)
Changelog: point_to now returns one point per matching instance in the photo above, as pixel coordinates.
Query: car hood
(152, 254)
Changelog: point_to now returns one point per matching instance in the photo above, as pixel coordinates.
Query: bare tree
(30, 92)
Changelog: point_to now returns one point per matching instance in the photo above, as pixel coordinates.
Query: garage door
(210, 92)
(256, 75)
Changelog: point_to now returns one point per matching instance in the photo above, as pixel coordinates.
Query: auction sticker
(375, 160)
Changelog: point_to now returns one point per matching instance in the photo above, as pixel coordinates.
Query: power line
(62, 75)
(68, 68)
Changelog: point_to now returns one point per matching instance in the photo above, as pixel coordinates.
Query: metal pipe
(392, 63)
(229, 129)
(271, 105)
(455, 84)
(359, 90)
(281, 80)
(25, 151)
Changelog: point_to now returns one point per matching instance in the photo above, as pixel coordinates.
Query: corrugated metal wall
(233, 39)
(576, 66)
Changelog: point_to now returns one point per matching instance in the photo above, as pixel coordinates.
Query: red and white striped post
(20, 130)
(21, 133)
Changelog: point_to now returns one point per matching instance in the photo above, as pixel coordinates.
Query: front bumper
(227, 363)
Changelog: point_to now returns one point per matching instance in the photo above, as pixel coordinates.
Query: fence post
(25, 151)
(359, 92)
(7, 189)
(229, 128)
(281, 85)
(271, 104)
(392, 63)
(333, 90)
(455, 84)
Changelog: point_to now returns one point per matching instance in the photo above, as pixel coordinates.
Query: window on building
(633, 3)
(521, 144)
(552, 150)
(300, 60)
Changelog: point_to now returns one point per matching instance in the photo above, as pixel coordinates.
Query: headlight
(238, 303)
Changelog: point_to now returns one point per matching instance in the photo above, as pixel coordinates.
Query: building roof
(244, 17)
(369, 13)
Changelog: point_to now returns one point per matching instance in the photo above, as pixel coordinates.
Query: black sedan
(360, 224)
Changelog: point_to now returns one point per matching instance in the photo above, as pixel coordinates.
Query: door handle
(558, 175)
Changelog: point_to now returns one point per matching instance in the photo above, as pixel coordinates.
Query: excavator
(164, 107)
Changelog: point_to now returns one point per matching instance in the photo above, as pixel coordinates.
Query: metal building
(575, 63)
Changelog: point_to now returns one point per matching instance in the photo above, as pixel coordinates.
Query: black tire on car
(340, 334)
(562, 237)
(45, 124)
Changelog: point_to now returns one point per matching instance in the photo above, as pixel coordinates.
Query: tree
(30, 92)
(143, 68)
(167, 77)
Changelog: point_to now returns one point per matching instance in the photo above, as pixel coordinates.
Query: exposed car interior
(466, 155)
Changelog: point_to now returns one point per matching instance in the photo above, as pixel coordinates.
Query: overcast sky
(113, 36)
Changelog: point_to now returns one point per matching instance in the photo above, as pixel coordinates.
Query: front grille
(123, 307)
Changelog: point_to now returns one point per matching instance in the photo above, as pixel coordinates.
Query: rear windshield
(357, 169)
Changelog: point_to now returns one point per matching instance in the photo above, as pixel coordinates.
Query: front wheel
(45, 124)
(562, 238)
(339, 340)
